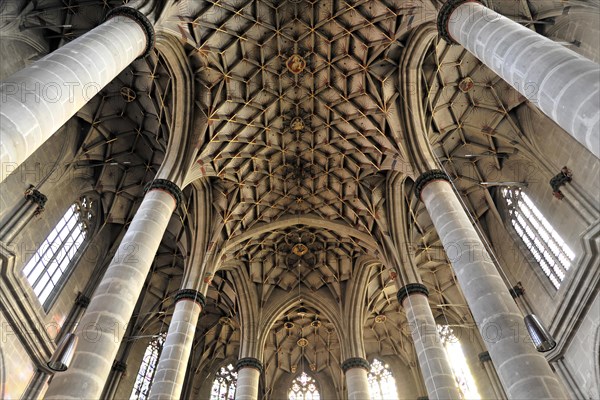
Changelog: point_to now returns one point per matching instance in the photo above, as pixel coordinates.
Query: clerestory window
(304, 388)
(54, 260)
(382, 385)
(143, 380)
(225, 384)
(550, 251)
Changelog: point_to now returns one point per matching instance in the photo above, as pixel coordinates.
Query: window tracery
(145, 375)
(225, 384)
(382, 385)
(304, 388)
(47, 270)
(550, 251)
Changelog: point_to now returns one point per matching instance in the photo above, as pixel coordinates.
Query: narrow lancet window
(458, 363)
(545, 244)
(48, 269)
(143, 381)
(382, 385)
(224, 385)
(304, 388)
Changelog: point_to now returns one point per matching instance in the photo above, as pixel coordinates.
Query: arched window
(545, 244)
(145, 374)
(224, 385)
(458, 363)
(52, 264)
(382, 385)
(304, 388)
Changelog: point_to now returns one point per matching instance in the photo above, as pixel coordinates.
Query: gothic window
(48, 269)
(143, 381)
(382, 385)
(224, 385)
(458, 363)
(304, 388)
(545, 244)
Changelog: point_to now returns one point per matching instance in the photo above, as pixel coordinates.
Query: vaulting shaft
(563, 84)
(39, 99)
(525, 373)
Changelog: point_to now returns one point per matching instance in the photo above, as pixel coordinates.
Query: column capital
(141, 20)
(82, 300)
(428, 177)
(35, 196)
(444, 16)
(249, 362)
(119, 366)
(484, 356)
(411, 288)
(355, 362)
(191, 294)
(167, 186)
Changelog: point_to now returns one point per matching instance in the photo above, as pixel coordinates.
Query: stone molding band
(428, 177)
(484, 356)
(167, 186)
(191, 294)
(141, 20)
(411, 288)
(355, 362)
(444, 16)
(249, 362)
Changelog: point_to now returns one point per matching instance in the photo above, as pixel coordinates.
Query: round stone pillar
(170, 372)
(38, 100)
(356, 370)
(103, 325)
(562, 83)
(249, 370)
(524, 373)
(437, 374)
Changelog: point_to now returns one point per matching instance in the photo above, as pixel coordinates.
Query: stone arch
(282, 302)
(309, 220)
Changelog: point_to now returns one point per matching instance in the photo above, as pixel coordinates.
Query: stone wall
(16, 367)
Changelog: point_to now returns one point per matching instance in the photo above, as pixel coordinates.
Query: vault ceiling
(297, 113)
(298, 124)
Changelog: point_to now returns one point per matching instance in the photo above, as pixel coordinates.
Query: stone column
(356, 369)
(170, 372)
(563, 84)
(38, 100)
(437, 374)
(249, 370)
(103, 325)
(524, 373)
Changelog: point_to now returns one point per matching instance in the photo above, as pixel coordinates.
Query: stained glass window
(224, 385)
(304, 388)
(145, 374)
(47, 269)
(382, 385)
(545, 244)
(458, 363)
